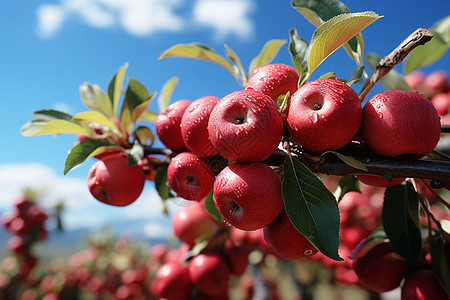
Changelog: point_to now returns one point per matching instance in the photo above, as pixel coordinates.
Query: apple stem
(417, 38)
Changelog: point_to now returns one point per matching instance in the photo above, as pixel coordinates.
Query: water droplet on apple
(314, 117)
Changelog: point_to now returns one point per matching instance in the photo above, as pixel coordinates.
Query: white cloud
(82, 210)
(50, 19)
(144, 17)
(225, 16)
(138, 17)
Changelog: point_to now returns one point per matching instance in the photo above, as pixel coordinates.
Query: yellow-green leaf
(95, 99)
(166, 93)
(267, 54)
(335, 32)
(349, 160)
(197, 51)
(115, 87)
(134, 104)
(239, 72)
(148, 116)
(94, 117)
(144, 135)
(38, 127)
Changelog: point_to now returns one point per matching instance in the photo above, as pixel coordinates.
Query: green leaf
(166, 93)
(356, 76)
(392, 80)
(135, 154)
(39, 127)
(148, 116)
(144, 135)
(134, 104)
(50, 115)
(238, 70)
(197, 51)
(115, 87)
(335, 32)
(267, 54)
(94, 117)
(319, 11)
(400, 219)
(311, 207)
(348, 184)
(348, 160)
(432, 51)
(440, 264)
(84, 150)
(161, 185)
(437, 155)
(297, 49)
(211, 208)
(95, 99)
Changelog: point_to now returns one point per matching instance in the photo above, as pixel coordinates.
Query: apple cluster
(26, 223)
(222, 144)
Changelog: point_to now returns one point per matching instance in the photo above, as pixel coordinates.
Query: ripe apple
(324, 114)
(286, 241)
(192, 223)
(237, 258)
(378, 181)
(381, 269)
(441, 102)
(248, 195)
(194, 126)
(168, 126)
(245, 126)
(400, 123)
(113, 182)
(209, 272)
(415, 80)
(172, 281)
(274, 80)
(436, 82)
(190, 176)
(422, 285)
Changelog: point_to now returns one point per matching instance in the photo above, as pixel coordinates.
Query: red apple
(236, 257)
(274, 80)
(248, 195)
(194, 126)
(381, 269)
(324, 114)
(436, 82)
(415, 79)
(245, 126)
(193, 223)
(400, 123)
(378, 181)
(190, 176)
(172, 281)
(286, 241)
(113, 182)
(422, 285)
(168, 125)
(441, 102)
(209, 272)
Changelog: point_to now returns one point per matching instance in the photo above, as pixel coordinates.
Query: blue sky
(48, 48)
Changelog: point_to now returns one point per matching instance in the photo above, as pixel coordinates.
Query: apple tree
(285, 158)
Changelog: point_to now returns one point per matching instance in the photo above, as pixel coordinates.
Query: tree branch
(417, 38)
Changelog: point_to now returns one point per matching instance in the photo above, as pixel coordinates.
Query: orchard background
(46, 62)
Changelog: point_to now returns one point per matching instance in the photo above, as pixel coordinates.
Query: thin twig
(417, 38)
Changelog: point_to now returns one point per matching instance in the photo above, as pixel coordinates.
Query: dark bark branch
(388, 168)
(417, 38)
